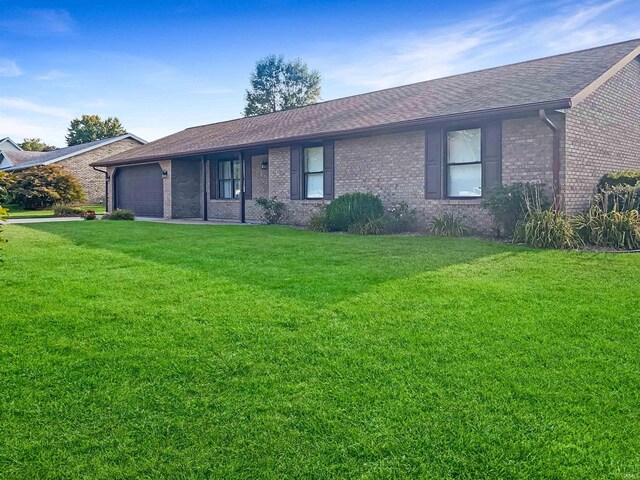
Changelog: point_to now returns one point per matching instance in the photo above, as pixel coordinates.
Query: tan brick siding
(93, 182)
(230, 209)
(603, 135)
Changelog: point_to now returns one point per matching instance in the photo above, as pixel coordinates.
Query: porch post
(205, 195)
(242, 212)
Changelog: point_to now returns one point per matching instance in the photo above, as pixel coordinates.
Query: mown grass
(142, 350)
(16, 211)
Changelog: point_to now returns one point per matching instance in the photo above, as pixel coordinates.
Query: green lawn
(17, 212)
(146, 350)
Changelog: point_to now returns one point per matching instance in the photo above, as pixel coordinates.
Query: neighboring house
(9, 145)
(438, 145)
(75, 160)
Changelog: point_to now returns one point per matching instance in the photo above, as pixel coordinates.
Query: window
(313, 172)
(229, 179)
(464, 163)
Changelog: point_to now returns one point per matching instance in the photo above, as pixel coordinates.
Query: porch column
(242, 196)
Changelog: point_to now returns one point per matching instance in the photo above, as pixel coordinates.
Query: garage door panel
(139, 188)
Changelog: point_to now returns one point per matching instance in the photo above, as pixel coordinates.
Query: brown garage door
(139, 189)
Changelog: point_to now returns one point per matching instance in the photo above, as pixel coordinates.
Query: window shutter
(433, 161)
(491, 156)
(248, 177)
(213, 174)
(328, 168)
(296, 174)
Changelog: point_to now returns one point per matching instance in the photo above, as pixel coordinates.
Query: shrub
(273, 211)
(352, 208)
(619, 197)
(119, 214)
(5, 182)
(397, 219)
(507, 204)
(89, 215)
(318, 222)
(42, 187)
(547, 229)
(613, 229)
(613, 179)
(449, 225)
(63, 210)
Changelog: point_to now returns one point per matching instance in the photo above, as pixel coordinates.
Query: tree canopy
(280, 85)
(36, 145)
(89, 128)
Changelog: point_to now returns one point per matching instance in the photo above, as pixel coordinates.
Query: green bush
(612, 229)
(547, 229)
(352, 208)
(273, 211)
(89, 215)
(318, 222)
(620, 198)
(119, 214)
(5, 181)
(397, 219)
(507, 204)
(63, 210)
(613, 179)
(44, 186)
(449, 225)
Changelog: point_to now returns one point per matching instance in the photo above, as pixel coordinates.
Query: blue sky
(164, 66)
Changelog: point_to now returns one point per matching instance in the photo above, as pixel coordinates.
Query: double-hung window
(229, 179)
(464, 163)
(313, 172)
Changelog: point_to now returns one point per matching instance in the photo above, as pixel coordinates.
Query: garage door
(139, 189)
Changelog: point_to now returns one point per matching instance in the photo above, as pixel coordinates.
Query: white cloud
(9, 68)
(21, 105)
(500, 37)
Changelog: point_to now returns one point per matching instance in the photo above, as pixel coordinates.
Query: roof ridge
(420, 82)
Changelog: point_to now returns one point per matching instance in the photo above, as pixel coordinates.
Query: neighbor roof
(7, 139)
(553, 82)
(20, 161)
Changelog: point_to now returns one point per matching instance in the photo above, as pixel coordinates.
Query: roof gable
(47, 158)
(551, 82)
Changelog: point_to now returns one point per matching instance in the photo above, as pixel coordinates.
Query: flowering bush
(89, 215)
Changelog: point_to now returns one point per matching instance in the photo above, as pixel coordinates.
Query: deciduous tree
(89, 128)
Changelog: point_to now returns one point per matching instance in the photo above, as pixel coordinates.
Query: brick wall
(93, 182)
(392, 167)
(186, 188)
(603, 135)
(230, 209)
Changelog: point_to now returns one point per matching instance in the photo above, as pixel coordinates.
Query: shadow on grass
(311, 267)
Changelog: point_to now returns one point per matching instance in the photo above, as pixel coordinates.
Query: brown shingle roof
(544, 83)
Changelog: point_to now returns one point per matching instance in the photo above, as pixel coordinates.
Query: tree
(280, 85)
(89, 128)
(41, 187)
(36, 145)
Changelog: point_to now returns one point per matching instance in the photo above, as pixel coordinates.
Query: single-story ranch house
(438, 145)
(76, 160)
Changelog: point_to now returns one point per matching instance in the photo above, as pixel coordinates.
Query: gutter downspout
(205, 210)
(556, 156)
(106, 186)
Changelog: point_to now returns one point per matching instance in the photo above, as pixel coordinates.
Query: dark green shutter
(433, 164)
(213, 174)
(328, 168)
(248, 177)
(296, 172)
(491, 156)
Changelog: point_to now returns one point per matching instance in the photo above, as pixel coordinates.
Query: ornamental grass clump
(350, 209)
(507, 205)
(617, 228)
(449, 225)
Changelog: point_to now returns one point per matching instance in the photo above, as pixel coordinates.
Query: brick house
(438, 145)
(76, 160)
